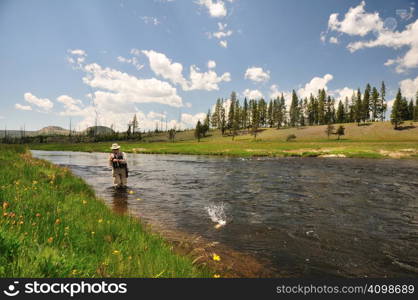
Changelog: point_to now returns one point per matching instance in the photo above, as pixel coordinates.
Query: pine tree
(347, 111)
(353, 107)
(365, 110)
(411, 110)
(198, 131)
(311, 111)
(231, 112)
(303, 111)
(316, 111)
(270, 117)
(135, 125)
(262, 111)
(416, 108)
(222, 120)
(206, 124)
(375, 104)
(396, 115)
(321, 107)
(216, 115)
(328, 110)
(404, 109)
(237, 118)
(340, 113)
(383, 105)
(255, 117)
(283, 110)
(294, 110)
(245, 114)
(358, 108)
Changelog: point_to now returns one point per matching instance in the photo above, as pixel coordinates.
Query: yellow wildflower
(84, 202)
(216, 276)
(216, 257)
(50, 239)
(57, 221)
(93, 232)
(100, 220)
(116, 252)
(131, 192)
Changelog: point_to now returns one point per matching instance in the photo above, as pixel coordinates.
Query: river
(312, 217)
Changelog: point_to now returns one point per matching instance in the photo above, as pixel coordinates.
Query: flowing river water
(312, 217)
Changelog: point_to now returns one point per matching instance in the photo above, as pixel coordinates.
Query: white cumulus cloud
(115, 96)
(162, 66)
(314, 85)
(22, 107)
(216, 9)
(252, 94)
(43, 104)
(333, 40)
(133, 61)
(211, 64)
(257, 74)
(341, 94)
(357, 22)
(409, 87)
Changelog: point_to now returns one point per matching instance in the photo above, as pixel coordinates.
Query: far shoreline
(364, 155)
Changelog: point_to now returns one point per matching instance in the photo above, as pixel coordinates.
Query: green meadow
(52, 225)
(373, 140)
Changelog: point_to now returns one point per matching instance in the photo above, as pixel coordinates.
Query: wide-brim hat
(115, 147)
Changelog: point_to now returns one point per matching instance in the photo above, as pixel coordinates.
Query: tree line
(321, 109)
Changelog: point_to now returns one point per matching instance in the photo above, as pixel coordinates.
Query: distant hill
(99, 130)
(52, 130)
(56, 130)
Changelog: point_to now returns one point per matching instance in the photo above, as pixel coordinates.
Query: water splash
(217, 214)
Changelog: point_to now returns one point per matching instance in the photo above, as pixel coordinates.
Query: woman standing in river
(118, 162)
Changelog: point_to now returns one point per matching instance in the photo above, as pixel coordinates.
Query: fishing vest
(118, 164)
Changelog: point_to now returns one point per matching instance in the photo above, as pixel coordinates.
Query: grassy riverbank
(52, 225)
(374, 140)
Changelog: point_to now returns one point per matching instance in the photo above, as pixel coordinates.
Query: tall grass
(52, 225)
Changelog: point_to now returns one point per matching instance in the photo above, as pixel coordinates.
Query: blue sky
(171, 60)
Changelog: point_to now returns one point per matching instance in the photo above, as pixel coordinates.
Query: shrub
(290, 137)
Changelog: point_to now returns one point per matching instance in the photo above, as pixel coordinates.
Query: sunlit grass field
(52, 225)
(374, 140)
